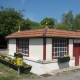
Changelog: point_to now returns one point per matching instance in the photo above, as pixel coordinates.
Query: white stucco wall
(36, 67)
(12, 46)
(56, 65)
(36, 53)
(41, 68)
(71, 47)
(48, 48)
(36, 48)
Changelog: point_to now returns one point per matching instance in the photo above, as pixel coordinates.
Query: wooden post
(18, 70)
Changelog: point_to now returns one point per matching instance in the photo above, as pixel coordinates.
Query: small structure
(41, 48)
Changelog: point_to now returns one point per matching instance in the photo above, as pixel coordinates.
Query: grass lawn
(7, 73)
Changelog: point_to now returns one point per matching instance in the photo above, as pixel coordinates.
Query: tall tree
(76, 25)
(62, 27)
(9, 18)
(50, 22)
(28, 25)
(68, 19)
(35, 25)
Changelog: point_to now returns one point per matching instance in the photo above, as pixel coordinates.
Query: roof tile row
(49, 33)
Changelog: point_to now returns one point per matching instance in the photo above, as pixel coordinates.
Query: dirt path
(70, 75)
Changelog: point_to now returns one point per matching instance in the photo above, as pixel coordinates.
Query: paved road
(70, 75)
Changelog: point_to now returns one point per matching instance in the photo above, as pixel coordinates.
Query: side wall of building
(48, 48)
(71, 47)
(12, 46)
(36, 48)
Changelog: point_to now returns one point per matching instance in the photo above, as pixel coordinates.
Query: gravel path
(69, 75)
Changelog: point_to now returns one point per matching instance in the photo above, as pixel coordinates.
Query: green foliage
(50, 22)
(35, 25)
(24, 25)
(63, 59)
(71, 21)
(62, 27)
(9, 18)
(76, 25)
(68, 19)
(28, 25)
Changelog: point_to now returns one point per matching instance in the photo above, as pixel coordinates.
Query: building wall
(55, 65)
(36, 55)
(36, 67)
(36, 48)
(48, 48)
(71, 47)
(52, 65)
(12, 46)
(79, 61)
(43, 68)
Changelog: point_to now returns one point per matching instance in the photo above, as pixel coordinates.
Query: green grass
(11, 74)
(78, 69)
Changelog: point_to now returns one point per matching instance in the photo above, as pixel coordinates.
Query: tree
(50, 22)
(35, 25)
(28, 25)
(9, 18)
(62, 27)
(24, 25)
(68, 19)
(76, 25)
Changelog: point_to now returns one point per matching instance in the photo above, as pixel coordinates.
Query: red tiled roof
(27, 33)
(62, 33)
(45, 32)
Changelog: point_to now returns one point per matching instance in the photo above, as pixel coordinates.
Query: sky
(36, 10)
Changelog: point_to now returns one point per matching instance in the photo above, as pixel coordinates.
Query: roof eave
(43, 37)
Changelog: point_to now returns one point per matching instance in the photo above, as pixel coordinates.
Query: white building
(42, 47)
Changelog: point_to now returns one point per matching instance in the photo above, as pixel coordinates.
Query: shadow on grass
(11, 74)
